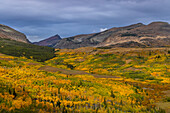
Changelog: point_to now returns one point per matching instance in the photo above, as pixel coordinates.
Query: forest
(98, 80)
(19, 49)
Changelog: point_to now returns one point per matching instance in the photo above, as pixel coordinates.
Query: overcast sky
(40, 19)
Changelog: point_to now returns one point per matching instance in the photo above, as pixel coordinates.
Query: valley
(125, 69)
(84, 56)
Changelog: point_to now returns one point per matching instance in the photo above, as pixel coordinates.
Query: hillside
(15, 48)
(135, 80)
(136, 63)
(155, 34)
(9, 33)
(50, 42)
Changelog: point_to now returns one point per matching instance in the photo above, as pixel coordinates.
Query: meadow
(134, 80)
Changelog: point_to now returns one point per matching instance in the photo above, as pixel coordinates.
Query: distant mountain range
(10, 33)
(155, 34)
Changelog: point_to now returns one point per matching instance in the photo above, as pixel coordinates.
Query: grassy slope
(14, 48)
(140, 64)
(23, 88)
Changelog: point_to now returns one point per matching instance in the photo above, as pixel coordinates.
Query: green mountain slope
(14, 48)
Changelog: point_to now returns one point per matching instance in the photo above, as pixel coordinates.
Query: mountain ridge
(10, 33)
(155, 34)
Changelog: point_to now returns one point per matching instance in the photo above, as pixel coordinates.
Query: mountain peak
(56, 37)
(51, 41)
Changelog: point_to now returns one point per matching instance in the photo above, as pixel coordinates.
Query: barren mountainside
(9, 33)
(50, 42)
(155, 34)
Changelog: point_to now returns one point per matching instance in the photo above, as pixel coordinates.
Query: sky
(40, 19)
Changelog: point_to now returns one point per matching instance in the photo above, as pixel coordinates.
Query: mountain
(9, 33)
(155, 34)
(50, 42)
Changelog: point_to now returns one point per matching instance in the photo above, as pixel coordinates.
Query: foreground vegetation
(142, 76)
(14, 48)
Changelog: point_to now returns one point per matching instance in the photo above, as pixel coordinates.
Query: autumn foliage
(141, 78)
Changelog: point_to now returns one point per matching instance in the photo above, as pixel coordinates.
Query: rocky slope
(50, 42)
(9, 33)
(155, 34)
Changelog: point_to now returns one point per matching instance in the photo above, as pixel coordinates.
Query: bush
(150, 78)
(168, 99)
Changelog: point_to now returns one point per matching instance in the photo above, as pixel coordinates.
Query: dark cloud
(39, 19)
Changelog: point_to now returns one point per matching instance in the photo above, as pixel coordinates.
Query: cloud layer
(39, 19)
